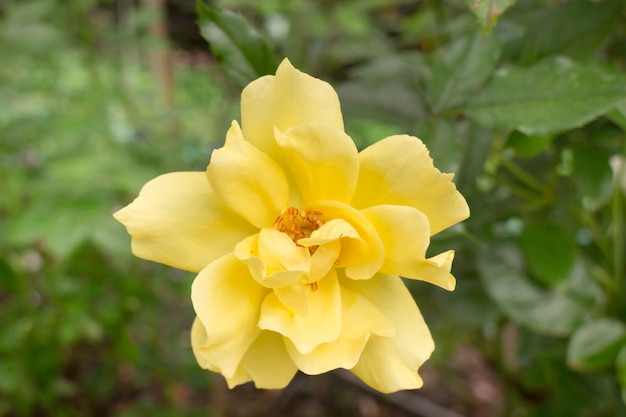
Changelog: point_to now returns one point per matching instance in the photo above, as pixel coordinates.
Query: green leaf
(575, 28)
(549, 250)
(620, 365)
(592, 174)
(488, 11)
(595, 345)
(243, 54)
(75, 220)
(475, 151)
(459, 70)
(526, 146)
(554, 95)
(543, 311)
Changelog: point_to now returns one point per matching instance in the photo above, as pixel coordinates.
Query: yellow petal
(281, 253)
(390, 364)
(274, 259)
(436, 270)
(354, 249)
(360, 319)
(290, 98)
(199, 339)
(323, 259)
(177, 220)
(405, 234)
(321, 325)
(364, 261)
(248, 181)
(398, 170)
(227, 301)
(323, 160)
(293, 297)
(266, 363)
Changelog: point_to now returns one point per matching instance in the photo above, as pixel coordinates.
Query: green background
(525, 101)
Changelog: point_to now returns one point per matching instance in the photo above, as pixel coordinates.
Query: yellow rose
(299, 241)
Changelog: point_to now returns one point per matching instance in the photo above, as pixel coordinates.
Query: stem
(160, 56)
(522, 175)
(617, 211)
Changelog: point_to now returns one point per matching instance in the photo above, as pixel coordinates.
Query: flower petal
(390, 364)
(321, 325)
(405, 233)
(290, 98)
(266, 363)
(248, 181)
(294, 297)
(360, 319)
(227, 301)
(398, 170)
(274, 259)
(177, 220)
(323, 160)
(368, 248)
(198, 339)
(354, 249)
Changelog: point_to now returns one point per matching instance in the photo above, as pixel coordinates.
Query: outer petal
(390, 363)
(290, 98)
(198, 339)
(177, 220)
(227, 301)
(321, 325)
(248, 181)
(398, 170)
(360, 319)
(323, 160)
(405, 233)
(266, 363)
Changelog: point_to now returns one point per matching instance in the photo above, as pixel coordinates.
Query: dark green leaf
(488, 11)
(243, 54)
(549, 250)
(528, 145)
(459, 70)
(543, 311)
(476, 145)
(554, 95)
(391, 104)
(573, 28)
(620, 365)
(592, 174)
(594, 346)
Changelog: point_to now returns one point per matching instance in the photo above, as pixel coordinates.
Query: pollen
(298, 224)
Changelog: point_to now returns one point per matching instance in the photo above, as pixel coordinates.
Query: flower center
(298, 224)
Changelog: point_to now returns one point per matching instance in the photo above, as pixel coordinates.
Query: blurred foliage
(525, 101)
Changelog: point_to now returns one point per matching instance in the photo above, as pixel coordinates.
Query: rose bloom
(299, 242)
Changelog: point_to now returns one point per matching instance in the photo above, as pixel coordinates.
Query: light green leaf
(488, 11)
(549, 250)
(543, 311)
(553, 95)
(459, 70)
(594, 346)
(243, 54)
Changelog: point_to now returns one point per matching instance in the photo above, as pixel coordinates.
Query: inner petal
(322, 323)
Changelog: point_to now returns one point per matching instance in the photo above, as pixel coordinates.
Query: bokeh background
(525, 101)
